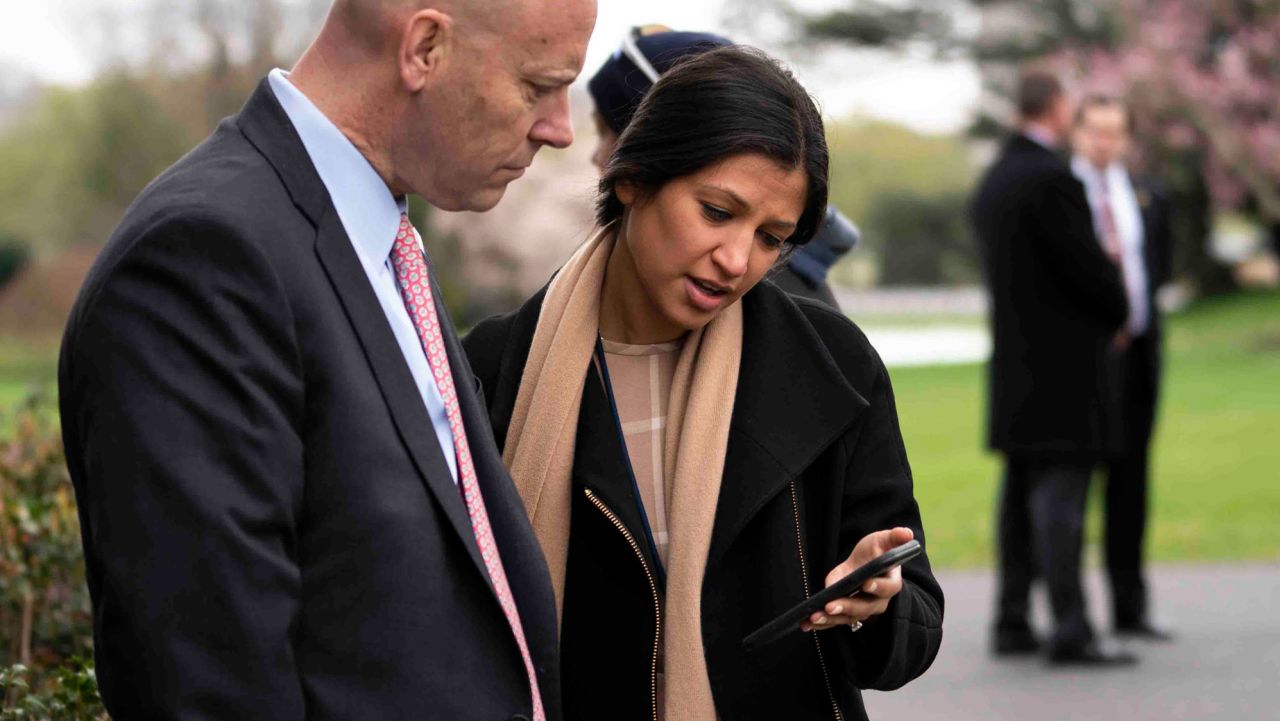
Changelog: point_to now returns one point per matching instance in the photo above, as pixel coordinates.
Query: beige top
(641, 377)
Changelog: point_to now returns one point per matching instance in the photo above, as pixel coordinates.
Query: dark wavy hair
(713, 106)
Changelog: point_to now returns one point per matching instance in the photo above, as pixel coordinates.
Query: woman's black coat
(815, 462)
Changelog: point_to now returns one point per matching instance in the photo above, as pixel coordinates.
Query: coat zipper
(804, 573)
(653, 588)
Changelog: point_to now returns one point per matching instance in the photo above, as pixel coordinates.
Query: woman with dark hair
(697, 451)
(621, 82)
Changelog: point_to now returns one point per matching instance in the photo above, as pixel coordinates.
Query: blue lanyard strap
(626, 456)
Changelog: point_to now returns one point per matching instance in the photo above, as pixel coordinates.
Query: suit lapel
(399, 390)
(792, 403)
(518, 547)
(267, 127)
(516, 542)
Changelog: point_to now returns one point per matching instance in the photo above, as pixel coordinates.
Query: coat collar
(369, 212)
(793, 402)
(1019, 143)
(267, 127)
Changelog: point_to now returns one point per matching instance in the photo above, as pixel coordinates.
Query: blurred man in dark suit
(1057, 303)
(1131, 222)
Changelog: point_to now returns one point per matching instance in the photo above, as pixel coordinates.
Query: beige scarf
(540, 447)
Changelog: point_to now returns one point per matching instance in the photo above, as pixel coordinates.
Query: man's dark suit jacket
(1157, 256)
(270, 527)
(1057, 300)
(1157, 247)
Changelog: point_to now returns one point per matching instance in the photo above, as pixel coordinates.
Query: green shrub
(926, 239)
(45, 621)
(71, 694)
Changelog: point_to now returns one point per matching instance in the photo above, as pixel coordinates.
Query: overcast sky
(38, 36)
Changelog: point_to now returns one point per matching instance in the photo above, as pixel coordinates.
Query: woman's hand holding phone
(876, 593)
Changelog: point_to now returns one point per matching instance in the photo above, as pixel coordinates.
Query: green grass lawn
(25, 367)
(1216, 474)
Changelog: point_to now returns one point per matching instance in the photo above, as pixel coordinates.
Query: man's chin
(484, 200)
(466, 200)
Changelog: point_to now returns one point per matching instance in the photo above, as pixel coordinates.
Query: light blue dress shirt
(371, 217)
(1116, 188)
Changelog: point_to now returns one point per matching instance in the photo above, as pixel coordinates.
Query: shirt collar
(370, 214)
(1041, 135)
(1090, 173)
(1083, 169)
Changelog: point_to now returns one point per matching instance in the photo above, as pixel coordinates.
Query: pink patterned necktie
(415, 289)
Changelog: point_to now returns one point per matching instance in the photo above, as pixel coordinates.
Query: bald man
(291, 503)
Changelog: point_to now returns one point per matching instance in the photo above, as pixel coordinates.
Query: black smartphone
(844, 588)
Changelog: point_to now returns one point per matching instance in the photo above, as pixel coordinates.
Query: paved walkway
(1224, 665)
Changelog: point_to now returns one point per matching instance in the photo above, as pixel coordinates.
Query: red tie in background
(415, 289)
(1107, 223)
(1111, 244)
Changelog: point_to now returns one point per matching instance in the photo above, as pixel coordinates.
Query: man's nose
(555, 127)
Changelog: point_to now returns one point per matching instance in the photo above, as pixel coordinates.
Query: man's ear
(424, 45)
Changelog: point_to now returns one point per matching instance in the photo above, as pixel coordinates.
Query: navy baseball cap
(646, 53)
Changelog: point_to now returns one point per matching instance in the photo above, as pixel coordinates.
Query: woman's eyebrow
(742, 204)
(734, 197)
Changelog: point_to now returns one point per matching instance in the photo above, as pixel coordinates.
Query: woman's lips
(704, 296)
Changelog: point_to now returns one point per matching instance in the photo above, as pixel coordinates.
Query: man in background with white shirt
(1131, 223)
(291, 501)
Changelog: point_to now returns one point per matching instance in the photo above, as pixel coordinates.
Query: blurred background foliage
(906, 191)
(73, 163)
(72, 159)
(1202, 77)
